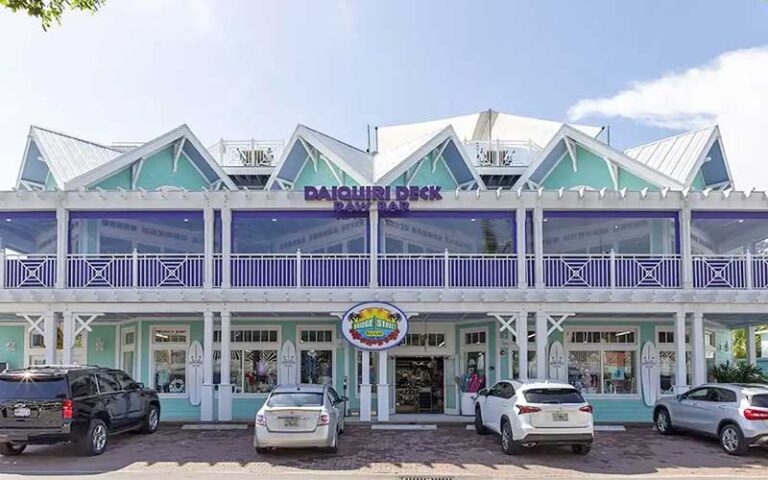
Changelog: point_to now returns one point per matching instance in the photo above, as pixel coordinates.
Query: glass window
(374, 368)
(667, 369)
(760, 401)
(108, 383)
(126, 382)
(474, 338)
(584, 371)
(619, 372)
(295, 399)
(40, 388)
(507, 390)
(699, 394)
(170, 370)
(456, 233)
(475, 363)
(553, 395)
(164, 335)
(251, 371)
(129, 338)
(278, 233)
(424, 340)
(316, 336)
(723, 395)
(83, 386)
(317, 366)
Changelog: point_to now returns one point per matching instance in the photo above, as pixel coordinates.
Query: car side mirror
(344, 398)
(483, 393)
(139, 386)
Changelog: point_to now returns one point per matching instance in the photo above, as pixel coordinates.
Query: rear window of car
(33, 388)
(760, 401)
(295, 399)
(553, 395)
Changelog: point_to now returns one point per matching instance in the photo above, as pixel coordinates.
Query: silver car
(736, 414)
(298, 416)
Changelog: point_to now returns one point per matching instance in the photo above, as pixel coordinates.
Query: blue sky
(241, 69)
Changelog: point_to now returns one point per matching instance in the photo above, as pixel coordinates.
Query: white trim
(125, 348)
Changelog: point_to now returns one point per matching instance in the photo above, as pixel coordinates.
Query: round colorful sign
(374, 326)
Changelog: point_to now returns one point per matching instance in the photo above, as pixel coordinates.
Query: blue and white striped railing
(28, 271)
(300, 270)
(447, 270)
(612, 271)
(723, 271)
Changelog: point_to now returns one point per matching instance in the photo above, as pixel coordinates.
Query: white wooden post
(680, 373)
(62, 242)
(446, 270)
(208, 231)
(298, 268)
(686, 259)
(541, 345)
(206, 401)
(748, 270)
(373, 234)
(698, 358)
(2, 267)
(612, 267)
(538, 246)
(365, 387)
(382, 409)
(49, 335)
(751, 345)
(225, 388)
(226, 247)
(68, 341)
(520, 248)
(135, 269)
(521, 326)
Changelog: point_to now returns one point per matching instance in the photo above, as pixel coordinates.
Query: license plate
(559, 417)
(22, 412)
(291, 422)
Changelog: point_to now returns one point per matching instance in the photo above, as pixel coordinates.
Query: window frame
(126, 348)
(306, 346)
(465, 348)
(153, 346)
(249, 346)
(671, 347)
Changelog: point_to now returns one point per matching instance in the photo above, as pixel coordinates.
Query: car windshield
(295, 399)
(760, 401)
(33, 388)
(553, 395)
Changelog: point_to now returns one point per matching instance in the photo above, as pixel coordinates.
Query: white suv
(535, 412)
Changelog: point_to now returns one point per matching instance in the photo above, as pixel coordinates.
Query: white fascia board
(309, 137)
(197, 144)
(283, 156)
(33, 138)
(536, 163)
(713, 137)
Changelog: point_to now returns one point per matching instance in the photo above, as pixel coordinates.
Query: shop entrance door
(419, 385)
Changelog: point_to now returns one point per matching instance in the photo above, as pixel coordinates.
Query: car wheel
(96, 439)
(12, 449)
(479, 427)
(732, 440)
(508, 444)
(662, 422)
(581, 448)
(151, 420)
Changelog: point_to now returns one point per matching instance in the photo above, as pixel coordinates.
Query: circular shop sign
(374, 326)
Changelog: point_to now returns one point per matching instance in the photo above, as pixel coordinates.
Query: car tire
(262, 450)
(508, 444)
(479, 427)
(581, 448)
(151, 420)
(662, 422)
(732, 440)
(12, 449)
(96, 438)
(335, 447)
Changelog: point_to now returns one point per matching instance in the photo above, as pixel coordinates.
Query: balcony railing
(247, 153)
(135, 270)
(612, 271)
(300, 270)
(29, 271)
(447, 270)
(500, 153)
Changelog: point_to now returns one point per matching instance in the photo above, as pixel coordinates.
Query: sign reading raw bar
(360, 199)
(374, 326)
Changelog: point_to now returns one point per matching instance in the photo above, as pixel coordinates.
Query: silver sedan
(736, 414)
(299, 416)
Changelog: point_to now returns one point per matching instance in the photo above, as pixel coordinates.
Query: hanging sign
(374, 326)
(363, 198)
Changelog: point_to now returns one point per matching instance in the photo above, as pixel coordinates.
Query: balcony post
(365, 386)
(541, 345)
(208, 230)
(538, 246)
(206, 401)
(680, 373)
(49, 336)
(612, 268)
(446, 270)
(748, 282)
(521, 327)
(68, 340)
(298, 268)
(373, 235)
(225, 388)
(226, 247)
(698, 358)
(135, 269)
(62, 236)
(2, 267)
(520, 248)
(686, 259)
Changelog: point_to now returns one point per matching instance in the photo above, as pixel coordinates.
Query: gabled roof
(558, 146)
(355, 162)
(191, 146)
(67, 157)
(681, 156)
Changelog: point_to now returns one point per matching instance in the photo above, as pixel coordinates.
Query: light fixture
(8, 219)
(472, 219)
(99, 345)
(186, 220)
(10, 346)
(741, 220)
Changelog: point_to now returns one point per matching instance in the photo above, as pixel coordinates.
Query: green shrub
(739, 373)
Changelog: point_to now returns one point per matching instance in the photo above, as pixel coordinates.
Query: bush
(739, 373)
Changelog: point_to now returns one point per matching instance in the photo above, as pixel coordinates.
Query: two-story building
(517, 247)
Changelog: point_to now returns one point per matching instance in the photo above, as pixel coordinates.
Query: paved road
(450, 451)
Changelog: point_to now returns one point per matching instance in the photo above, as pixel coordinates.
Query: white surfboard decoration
(195, 376)
(649, 367)
(557, 362)
(288, 364)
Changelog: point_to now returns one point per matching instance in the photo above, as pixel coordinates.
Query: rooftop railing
(502, 153)
(247, 153)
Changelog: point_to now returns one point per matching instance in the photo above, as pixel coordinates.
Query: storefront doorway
(419, 385)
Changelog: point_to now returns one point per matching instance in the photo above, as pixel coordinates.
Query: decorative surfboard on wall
(557, 362)
(649, 368)
(287, 366)
(195, 363)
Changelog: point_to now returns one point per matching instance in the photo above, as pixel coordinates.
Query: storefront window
(619, 372)
(128, 351)
(584, 371)
(665, 344)
(316, 355)
(169, 359)
(253, 359)
(602, 361)
(474, 353)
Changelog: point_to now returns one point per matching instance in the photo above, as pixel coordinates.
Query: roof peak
(73, 137)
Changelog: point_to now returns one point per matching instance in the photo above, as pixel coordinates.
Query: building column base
(365, 402)
(225, 402)
(382, 407)
(206, 403)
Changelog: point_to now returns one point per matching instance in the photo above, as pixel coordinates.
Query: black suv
(55, 404)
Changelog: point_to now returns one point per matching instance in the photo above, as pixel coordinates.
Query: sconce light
(99, 345)
(10, 346)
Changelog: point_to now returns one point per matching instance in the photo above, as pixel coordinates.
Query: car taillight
(754, 414)
(67, 409)
(527, 409)
(261, 420)
(324, 419)
(586, 409)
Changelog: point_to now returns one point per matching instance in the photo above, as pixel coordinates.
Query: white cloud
(731, 91)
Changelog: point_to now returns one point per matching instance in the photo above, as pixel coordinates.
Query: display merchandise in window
(170, 371)
(250, 371)
(317, 366)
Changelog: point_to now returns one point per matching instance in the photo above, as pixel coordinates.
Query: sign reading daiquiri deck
(374, 326)
(363, 198)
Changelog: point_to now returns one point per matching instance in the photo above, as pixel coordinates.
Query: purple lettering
(310, 193)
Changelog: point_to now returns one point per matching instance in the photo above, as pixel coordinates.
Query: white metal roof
(359, 160)
(68, 157)
(675, 156)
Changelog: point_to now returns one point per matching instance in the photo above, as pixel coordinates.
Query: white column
(751, 345)
(62, 242)
(138, 355)
(680, 380)
(49, 335)
(373, 234)
(208, 231)
(382, 393)
(698, 358)
(68, 330)
(541, 345)
(225, 388)
(365, 386)
(522, 264)
(521, 326)
(538, 246)
(685, 247)
(226, 247)
(206, 401)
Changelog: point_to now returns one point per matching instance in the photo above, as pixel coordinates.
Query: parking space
(449, 450)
